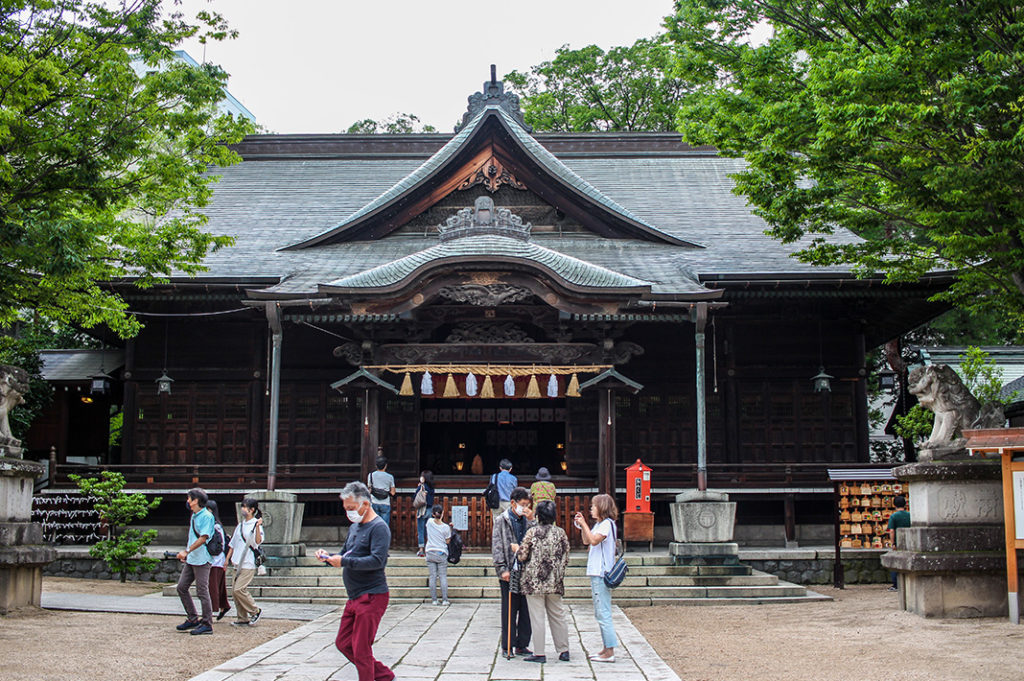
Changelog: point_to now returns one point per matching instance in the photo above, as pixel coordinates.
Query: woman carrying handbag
(423, 503)
(246, 539)
(601, 540)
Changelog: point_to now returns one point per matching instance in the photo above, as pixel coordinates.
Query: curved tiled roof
(536, 151)
(573, 270)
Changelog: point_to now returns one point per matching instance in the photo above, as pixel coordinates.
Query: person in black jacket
(362, 561)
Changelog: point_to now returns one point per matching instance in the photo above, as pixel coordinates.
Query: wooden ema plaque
(1009, 444)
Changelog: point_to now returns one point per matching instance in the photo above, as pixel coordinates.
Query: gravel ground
(860, 635)
(54, 645)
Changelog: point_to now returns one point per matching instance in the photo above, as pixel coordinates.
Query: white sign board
(460, 518)
(1018, 502)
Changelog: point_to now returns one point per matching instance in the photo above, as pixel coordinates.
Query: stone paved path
(422, 642)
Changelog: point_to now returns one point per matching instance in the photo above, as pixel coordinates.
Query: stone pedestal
(22, 552)
(282, 524)
(952, 561)
(702, 526)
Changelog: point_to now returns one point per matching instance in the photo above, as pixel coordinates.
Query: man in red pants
(363, 560)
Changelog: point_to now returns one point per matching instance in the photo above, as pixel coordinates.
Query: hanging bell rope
(450, 389)
(574, 387)
(533, 389)
(487, 390)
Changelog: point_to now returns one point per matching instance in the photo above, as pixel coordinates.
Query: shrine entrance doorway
(453, 434)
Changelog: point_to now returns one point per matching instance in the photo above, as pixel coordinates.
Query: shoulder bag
(420, 500)
(378, 493)
(614, 575)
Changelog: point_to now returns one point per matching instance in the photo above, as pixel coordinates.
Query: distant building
(227, 105)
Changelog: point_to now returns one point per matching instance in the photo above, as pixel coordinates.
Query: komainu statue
(13, 385)
(940, 389)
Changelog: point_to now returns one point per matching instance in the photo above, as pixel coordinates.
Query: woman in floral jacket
(544, 555)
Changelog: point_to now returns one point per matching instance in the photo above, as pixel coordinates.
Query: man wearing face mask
(509, 529)
(362, 561)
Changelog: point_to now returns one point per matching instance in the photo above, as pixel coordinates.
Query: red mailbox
(638, 488)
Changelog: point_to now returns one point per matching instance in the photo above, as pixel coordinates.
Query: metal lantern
(822, 381)
(100, 384)
(887, 381)
(163, 384)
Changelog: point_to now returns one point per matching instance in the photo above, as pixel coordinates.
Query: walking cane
(509, 652)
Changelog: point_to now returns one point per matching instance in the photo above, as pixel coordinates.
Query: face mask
(422, 481)
(519, 510)
(354, 516)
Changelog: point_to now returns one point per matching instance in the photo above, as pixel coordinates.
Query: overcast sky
(310, 66)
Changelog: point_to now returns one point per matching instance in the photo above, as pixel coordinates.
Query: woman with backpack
(218, 582)
(423, 502)
(439, 533)
(242, 554)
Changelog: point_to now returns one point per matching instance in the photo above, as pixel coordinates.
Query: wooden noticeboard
(1009, 444)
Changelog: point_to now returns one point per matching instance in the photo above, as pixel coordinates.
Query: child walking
(439, 534)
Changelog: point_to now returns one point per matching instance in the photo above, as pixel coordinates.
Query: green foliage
(900, 121)
(395, 124)
(590, 90)
(124, 549)
(916, 424)
(962, 327)
(982, 377)
(107, 140)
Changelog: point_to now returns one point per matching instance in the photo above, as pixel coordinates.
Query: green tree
(106, 141)
(124, 549)
(590, 90)
(901, 121)
(983, 377)
(395, 124)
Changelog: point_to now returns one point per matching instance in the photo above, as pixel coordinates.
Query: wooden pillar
(370, 440)
(789, 514)
(606, 442)
(863, 425)
(732, 400)
(130, 406)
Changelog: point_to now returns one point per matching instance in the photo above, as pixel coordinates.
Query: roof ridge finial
(493, 93)
(484, 218)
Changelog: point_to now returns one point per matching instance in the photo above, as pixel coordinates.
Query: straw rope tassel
(450, 389)
(406, 389)
(533, 390)
(487, 390)
(574, 387)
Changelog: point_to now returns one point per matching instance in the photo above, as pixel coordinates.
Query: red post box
(637, 520)
(638, 488)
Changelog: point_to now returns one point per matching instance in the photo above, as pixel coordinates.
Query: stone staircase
(652, 580)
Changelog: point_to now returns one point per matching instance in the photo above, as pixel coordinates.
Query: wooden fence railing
(403, 518)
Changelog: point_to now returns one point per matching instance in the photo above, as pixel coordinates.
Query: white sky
(317, 66)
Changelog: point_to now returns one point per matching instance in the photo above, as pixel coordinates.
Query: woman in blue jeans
(423, 513)
(601, 540)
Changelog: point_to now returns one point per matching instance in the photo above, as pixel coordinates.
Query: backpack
(455, 547)
(491, 493)
(214, 544)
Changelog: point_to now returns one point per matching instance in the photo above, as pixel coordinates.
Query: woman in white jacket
(247, 536)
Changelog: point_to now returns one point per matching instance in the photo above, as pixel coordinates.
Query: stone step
(484, 560)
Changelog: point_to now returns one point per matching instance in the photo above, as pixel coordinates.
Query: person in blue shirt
(197, 565)
(506, 482)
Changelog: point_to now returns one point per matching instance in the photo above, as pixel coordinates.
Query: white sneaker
(446, 603)
(434, 602)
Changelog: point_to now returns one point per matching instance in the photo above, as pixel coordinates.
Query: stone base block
(284, 550)
(954, 595)
(704, 553)
(703, 521)
(282, 516)
(17, 481)
(20, 586)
